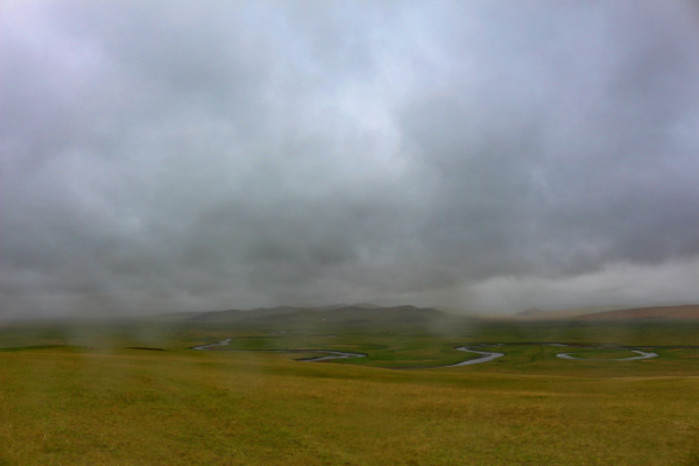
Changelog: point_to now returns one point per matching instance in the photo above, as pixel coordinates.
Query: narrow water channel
(485, 356)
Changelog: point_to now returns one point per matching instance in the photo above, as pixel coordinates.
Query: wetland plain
(139, 393)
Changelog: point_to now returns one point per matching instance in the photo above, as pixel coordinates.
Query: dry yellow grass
(124, 407)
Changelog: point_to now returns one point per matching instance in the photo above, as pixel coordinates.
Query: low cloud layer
(475, 155)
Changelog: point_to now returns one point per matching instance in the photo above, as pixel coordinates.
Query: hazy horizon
(481, 156)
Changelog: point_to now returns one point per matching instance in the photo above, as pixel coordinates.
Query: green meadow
(136, 393)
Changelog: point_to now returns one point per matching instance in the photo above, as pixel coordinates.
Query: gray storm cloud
(175, 155)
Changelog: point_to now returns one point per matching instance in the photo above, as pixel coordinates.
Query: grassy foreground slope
(97, 403)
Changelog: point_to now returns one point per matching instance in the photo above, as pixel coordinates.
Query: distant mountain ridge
(535, 314)
(670, 312)
(365, 314)
(338, 314)
(680, 312)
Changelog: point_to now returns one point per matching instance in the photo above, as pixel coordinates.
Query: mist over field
(483, 156)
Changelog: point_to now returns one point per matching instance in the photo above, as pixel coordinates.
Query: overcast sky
(487, 156)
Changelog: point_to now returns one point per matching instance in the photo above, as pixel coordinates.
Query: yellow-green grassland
(138, 394)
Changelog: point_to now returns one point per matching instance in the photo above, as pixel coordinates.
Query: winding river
(225, 342)
(485, 356)
(327, 355)
(641, 355)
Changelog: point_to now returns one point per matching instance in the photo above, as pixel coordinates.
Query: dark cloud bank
(476, 155)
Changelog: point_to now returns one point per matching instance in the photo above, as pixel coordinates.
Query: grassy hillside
(135, 394)
(67, 406)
